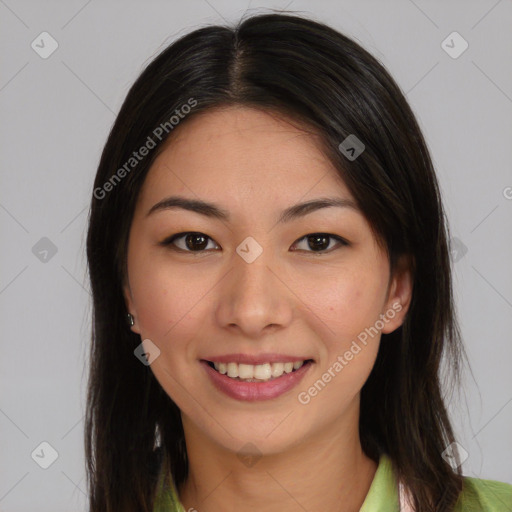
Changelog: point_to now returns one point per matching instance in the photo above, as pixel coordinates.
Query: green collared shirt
(477, 495)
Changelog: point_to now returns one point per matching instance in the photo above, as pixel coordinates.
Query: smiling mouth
(257, 373)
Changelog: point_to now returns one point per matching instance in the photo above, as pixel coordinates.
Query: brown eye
(320, 242)
(190, 241)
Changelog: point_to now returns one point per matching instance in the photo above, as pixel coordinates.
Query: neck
(328, 472)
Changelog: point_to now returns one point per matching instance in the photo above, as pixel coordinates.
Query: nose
(255, 297)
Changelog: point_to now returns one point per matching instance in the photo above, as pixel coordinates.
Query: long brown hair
(316, 76)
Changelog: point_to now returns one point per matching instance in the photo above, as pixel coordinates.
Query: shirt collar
(383, 493)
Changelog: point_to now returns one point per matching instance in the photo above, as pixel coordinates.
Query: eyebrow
(214, 211)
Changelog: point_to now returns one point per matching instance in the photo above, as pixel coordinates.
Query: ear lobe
(399, 295)
(130, 309)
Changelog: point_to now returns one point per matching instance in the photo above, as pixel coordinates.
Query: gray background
(56, 114)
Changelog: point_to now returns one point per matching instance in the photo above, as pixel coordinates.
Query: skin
(305, 303)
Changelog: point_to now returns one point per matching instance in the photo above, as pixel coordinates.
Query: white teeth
(245, 371)
(222, 368)
(262, 371)
(258, 372)
(232, 370)
(277, 369)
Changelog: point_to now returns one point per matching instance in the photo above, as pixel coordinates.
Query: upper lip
(255, 358)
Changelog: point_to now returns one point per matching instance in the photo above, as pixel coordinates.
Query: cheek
(157, 304)
(172, 304)
(163, 298)
(349, 305)
(347, 302)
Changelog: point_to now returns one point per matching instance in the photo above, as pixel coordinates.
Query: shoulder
(481, 495)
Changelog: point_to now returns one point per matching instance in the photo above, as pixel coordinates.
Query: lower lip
(253, 391)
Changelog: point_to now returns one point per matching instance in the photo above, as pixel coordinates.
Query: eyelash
(169, 242)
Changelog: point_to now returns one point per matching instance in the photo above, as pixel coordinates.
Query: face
(250, 291)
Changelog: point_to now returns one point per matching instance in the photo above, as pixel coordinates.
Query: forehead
(235, 151)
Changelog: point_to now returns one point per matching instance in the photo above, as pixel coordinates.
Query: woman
(272, 292)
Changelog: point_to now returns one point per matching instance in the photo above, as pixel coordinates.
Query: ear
(399, 294)
(130, 307)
